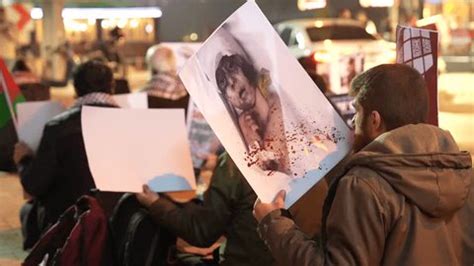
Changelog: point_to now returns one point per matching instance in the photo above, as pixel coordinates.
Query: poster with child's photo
(277, 126)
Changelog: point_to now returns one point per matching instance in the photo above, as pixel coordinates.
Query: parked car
(335, 49)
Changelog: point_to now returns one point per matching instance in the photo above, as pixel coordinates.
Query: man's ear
(376, 124)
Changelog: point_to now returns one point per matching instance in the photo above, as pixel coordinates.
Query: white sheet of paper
(127, 148)
(137, 100)
(32, 117)
(298, 131)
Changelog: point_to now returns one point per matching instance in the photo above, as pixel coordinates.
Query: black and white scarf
(94, 98)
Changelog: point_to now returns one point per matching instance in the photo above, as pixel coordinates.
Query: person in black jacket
(227, 211)
(58, 174)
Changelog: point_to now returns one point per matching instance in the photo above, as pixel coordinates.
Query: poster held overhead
(32, 117)
(418, 48)
(277, 126)
(127, 148)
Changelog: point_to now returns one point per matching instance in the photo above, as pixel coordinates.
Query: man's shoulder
(368, 180)
(64, 117)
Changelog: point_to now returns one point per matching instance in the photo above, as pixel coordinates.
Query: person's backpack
(137, 239)
(80, 237)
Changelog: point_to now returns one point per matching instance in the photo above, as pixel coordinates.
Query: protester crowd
(403, 196)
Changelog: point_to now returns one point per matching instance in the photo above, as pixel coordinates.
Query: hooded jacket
(407, 198)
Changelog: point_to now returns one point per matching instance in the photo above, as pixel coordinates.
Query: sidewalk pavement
(11, 198)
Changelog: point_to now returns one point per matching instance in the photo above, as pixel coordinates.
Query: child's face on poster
(239, 92)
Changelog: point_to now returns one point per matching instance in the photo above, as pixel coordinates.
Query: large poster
(418, 48)
(277, 126)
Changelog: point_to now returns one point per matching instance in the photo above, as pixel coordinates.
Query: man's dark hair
(229, 64)
(398, 92)
(93, 76)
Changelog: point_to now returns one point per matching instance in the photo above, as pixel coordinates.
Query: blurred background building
(79, 27)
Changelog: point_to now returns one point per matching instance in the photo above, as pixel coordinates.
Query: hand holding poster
(418, 48)
(133, 150)
(278, 127)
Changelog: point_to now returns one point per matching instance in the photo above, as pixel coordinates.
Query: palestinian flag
(10, 95)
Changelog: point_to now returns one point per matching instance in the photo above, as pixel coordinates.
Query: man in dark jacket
(407, 195)
(58, 174)
(227, 211)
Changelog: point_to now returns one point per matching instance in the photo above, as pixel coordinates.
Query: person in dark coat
(58, 174)
(227, 211)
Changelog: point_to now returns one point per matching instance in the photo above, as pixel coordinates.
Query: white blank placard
(127, 148)
(32, 117)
